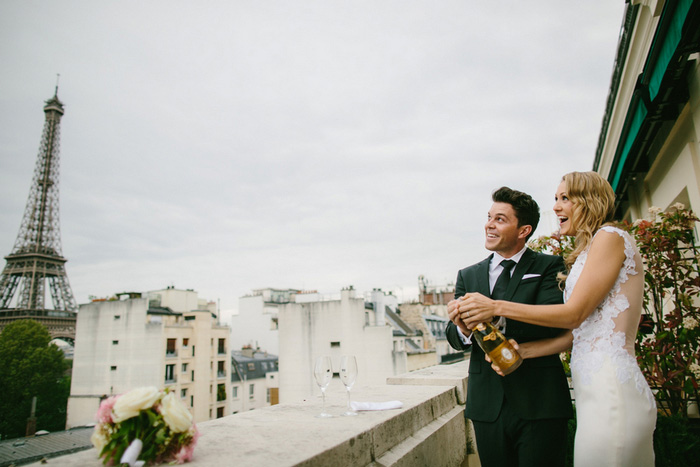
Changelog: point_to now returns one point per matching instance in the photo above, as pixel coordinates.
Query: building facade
(431, 321)
(648, 146)
(254, 380)
(312, 327)
(255, 326)
(167, 339)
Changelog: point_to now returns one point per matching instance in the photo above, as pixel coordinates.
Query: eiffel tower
(36, 258)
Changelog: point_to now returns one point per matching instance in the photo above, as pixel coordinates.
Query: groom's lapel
(482, 277)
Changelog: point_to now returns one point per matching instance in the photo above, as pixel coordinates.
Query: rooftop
(21, 451)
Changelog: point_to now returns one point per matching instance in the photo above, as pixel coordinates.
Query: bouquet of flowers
(146, 424)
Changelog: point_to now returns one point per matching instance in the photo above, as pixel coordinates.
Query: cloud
(226, 146)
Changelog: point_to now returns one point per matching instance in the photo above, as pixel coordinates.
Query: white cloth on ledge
(359, 406)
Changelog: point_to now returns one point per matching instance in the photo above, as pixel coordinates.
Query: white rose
(99, 438)
(130, 404)
(690, 323)
(695, 368)
(177, 417)
(679, 206)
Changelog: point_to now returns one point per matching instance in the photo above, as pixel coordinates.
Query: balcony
(428, 430)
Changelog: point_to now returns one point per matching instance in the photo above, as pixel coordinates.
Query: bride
(615, 409)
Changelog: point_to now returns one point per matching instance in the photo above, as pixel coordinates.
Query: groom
(519, 419)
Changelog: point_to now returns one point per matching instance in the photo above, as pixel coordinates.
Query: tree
(30, 366)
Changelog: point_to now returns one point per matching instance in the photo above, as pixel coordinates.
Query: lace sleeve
(630, 251)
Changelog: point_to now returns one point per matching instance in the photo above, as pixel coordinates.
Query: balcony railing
(428, 430)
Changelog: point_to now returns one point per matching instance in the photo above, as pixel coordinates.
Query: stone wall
(428, 430)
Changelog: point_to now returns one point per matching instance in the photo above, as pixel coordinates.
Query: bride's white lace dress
(615, 409)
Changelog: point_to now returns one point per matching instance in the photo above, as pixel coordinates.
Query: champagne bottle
(495, 344)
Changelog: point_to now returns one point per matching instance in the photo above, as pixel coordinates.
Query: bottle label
(506, 356)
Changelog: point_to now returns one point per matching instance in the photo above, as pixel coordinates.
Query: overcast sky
(225, 146)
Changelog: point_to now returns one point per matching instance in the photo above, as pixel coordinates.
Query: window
(335, 344)
(234, 392)
(116, 317)
(184, 367)
(222, 346)
(115, 342)
(170, 348)
(221, 392)
(251, 367)
(169, 373)
(251, 391)
(192, 379)
(268, 396)
(193, 350)
(185, 341)
(183, 393)
(219, 412)
(191, 401)
(221, 369)
(113, 368)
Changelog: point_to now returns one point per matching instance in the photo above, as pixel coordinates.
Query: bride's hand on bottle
(476, 308)
(495, 367)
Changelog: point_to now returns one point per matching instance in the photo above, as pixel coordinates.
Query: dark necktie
(499, 290)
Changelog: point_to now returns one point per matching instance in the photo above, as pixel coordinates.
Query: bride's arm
(605, 258)
(543, 347)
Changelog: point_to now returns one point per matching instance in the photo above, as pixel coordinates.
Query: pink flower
(185, 453)
(104, 413)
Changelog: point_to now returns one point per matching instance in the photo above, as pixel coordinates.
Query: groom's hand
(454, 316)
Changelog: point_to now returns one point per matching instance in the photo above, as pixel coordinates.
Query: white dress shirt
(495, 270)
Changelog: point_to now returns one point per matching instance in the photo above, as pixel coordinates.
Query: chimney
(31, 421)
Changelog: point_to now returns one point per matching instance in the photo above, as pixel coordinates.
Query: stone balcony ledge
(428, 430)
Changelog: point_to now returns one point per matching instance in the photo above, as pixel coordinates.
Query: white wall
(334, 328)
(252, 325)
(113, 334)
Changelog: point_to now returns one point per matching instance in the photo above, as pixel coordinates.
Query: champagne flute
(348, 374)
(323, 373)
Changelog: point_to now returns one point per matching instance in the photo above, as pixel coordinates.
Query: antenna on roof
(58, 75)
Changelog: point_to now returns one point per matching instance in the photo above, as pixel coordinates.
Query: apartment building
(166, 338)
(254, 380)
(256, 323)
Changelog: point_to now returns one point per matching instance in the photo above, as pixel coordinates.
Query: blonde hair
(593, 202)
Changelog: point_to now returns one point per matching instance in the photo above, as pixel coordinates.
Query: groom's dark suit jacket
(538, 389)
